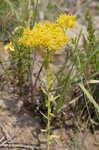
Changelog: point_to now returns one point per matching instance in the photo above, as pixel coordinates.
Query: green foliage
(21, 62)
(81, 64)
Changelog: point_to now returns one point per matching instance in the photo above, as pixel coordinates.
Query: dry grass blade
(14, 145)
(89, 96)
(93, 81)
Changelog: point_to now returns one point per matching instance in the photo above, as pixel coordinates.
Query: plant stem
(49, 121)
(47, 69)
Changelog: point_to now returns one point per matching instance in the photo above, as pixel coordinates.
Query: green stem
(49, 122)
(46, 64)
(36, 9)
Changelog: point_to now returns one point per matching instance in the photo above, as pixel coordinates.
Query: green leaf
(44, 115)
(55, 98)
(44, 91)
(52, 115)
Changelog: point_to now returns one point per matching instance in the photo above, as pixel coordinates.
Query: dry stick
(5, 132)
(18, 146)
(94, 75)
(12, 145)
(74, 83)
(71, 102)
(7, 137)
(2, 139)
(38, 75)
(31, 80)
(9, 140)
(97, 144)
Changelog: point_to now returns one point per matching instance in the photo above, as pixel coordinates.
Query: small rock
(93, 5)
(2, 104)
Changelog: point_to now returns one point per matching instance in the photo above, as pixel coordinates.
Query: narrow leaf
(44, 115)
(89, 96)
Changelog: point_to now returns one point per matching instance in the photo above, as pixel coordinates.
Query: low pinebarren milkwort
(46, 34)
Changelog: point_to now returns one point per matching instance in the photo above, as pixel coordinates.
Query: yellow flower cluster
(46, 34)
(66, 21)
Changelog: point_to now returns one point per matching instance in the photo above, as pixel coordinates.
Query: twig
(5, 132)
(71, 102)
(97, 144)
(2, 139)
(94, 75)
(38, 75)
(9, 140)
(6, 136)
(14, 145)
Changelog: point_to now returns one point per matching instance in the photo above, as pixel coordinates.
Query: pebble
(2, 104)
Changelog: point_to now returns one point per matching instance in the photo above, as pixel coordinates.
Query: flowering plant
(45, 37)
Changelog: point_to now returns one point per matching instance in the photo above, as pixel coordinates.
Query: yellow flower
(46, 34)
(66, 21)
(26, 38)
(9, 46)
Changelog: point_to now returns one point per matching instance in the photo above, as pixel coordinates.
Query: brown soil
(23, 130)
